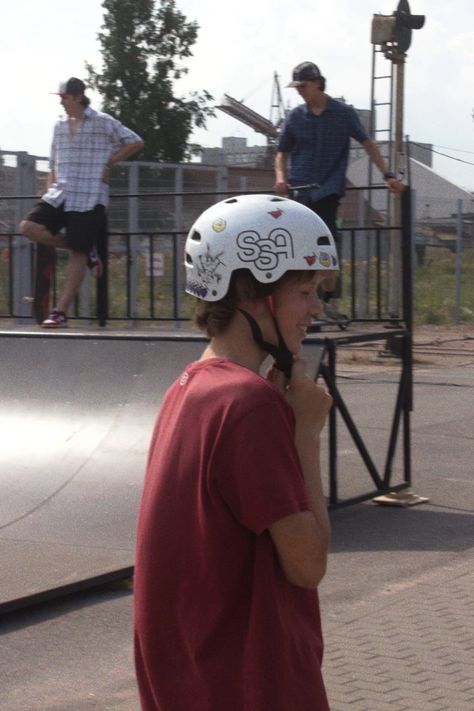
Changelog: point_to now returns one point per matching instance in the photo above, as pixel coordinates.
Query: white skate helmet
(267, 234)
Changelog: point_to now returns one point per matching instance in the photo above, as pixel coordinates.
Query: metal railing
(143, 277)
(400, 338)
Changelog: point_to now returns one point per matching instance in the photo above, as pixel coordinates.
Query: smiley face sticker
(219, 225)
(325, 260)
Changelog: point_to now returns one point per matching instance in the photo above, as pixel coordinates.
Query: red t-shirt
(218, 627)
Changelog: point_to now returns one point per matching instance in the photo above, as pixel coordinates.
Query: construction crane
(268, 127)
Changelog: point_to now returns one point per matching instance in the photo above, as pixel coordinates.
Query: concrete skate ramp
(76, 415)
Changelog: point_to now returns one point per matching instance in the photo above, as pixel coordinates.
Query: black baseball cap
(72, 86)
(306, 71)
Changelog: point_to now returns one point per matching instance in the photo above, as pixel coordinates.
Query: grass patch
(435, 287)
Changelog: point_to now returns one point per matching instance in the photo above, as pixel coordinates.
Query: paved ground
(398, 602)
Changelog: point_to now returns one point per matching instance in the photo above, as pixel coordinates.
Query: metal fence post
(362, 258)
(179, 240)
(85, 299)
(407, 271)
(25, 184)
(132, 230)
(457, 298)
(102, 290)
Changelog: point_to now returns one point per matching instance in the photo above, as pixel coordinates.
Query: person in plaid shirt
(86, 144)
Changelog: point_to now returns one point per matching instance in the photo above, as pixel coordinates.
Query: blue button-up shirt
(319, 147)
(78, 160)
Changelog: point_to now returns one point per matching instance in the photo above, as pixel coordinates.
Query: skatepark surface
(75, 421)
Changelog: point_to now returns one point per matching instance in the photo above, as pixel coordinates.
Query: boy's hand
(281, 187)
(310, 402)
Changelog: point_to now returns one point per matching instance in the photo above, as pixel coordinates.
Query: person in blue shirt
(316, 137)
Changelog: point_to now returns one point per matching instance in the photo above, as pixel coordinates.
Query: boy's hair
(213, 317)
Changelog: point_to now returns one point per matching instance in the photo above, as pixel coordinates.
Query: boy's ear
(250, 297)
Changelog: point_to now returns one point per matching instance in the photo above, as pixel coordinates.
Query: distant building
(235, 151)
(437, 202)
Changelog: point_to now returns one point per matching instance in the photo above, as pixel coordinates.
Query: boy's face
(70, 102)
(309, 90)
(296, 305)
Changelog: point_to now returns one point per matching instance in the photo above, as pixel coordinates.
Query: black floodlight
(405, 22)
(393, 32)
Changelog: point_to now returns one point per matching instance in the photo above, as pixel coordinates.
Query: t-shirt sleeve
(356, 129)
(259, 472)
(122, 135)
(286, 139)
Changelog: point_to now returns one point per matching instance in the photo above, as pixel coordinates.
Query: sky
(240, 46)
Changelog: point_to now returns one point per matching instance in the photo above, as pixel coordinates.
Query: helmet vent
(230, 201)
(277, 199)
(324, 240)
(188, 259)
(195, 236)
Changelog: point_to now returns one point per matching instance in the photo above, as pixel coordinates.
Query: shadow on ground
(369, 527)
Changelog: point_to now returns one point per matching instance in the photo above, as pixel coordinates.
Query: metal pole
(332, 426)
(178, 241)
(457, 300)
(133, 219)
(25, 178)
(407, 272)
(363, 261)
(395, 242)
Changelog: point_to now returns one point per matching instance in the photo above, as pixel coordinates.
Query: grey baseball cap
(306, 71)
(72, 86)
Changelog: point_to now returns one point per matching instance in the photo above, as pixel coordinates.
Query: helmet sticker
(265, 252)
(193, 287)
(208, 267)
(310, 259)
(325, 260)
(276, 213)
(219, 225)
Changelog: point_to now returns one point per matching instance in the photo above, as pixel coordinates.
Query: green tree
(142, 47)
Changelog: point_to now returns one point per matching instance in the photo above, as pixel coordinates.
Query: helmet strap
(281, 353)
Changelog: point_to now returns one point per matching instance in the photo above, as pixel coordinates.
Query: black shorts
(83, 230)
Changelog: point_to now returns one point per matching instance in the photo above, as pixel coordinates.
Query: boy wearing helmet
(233, 529)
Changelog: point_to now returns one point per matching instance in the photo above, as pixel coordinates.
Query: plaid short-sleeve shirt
(319, 146)
(78, 160)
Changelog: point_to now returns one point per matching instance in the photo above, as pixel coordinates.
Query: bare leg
(76, 270)
(39, 233)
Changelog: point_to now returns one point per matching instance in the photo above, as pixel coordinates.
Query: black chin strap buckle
(284, 362)
(282, 355)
